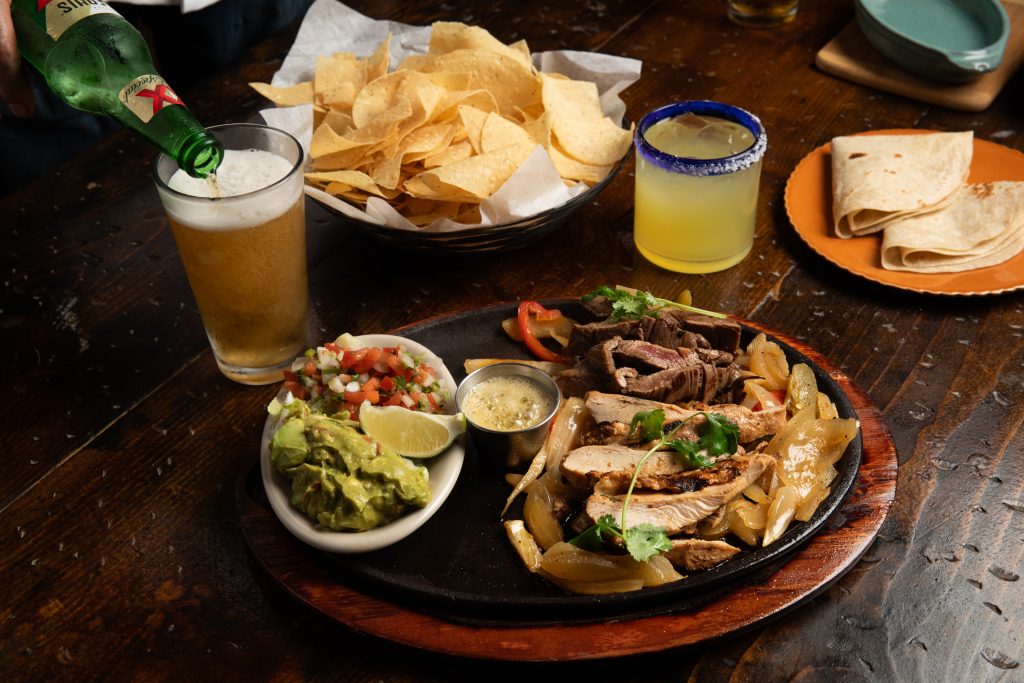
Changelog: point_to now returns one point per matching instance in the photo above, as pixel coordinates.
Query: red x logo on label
(161, 96)
(40, 4)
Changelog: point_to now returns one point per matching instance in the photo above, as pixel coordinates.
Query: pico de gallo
(335, 377)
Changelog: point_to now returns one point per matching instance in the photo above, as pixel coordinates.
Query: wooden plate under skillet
(393, 597)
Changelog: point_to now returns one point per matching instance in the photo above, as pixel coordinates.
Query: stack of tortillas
(914, 189)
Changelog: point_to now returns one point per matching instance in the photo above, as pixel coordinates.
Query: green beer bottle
(97, 62)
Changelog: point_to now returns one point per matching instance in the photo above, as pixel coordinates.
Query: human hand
(14, 85)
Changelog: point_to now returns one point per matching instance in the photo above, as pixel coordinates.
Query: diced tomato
(387, 363)
(370, 356)
(350, 358)
(298, 391)
(385, 371)
(394, 363)
(358, 397)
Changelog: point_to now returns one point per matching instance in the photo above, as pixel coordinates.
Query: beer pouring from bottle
(96, 61)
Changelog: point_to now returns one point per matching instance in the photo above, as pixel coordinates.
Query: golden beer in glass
(762, 13)
(243, 246)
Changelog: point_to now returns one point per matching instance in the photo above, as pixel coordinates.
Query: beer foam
(240, 172)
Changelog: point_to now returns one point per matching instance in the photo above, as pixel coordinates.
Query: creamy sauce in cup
(507, 403)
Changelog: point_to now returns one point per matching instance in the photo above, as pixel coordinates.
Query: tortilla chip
(425, 141)
(582, 129)
(449, 155)
(473, 120)
(387, 172)
(376, 65)
(512, 84)
(570, 169)
(339, 77)
(499, 132)
(288, 95)
(477, 177)
(449, 36)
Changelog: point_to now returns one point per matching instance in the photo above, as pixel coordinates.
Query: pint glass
(241, 235)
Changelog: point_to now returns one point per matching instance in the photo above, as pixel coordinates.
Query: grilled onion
(582, 571)
(524, 544)
(539, 517)
(780, 513)
(566, 431)
(769, 362)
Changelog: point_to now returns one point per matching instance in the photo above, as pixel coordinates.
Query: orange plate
(809, 206)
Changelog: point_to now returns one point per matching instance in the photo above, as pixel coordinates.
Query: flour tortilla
(983, 227)
(877, 179)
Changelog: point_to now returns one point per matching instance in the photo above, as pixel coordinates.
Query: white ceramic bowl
(444, 472)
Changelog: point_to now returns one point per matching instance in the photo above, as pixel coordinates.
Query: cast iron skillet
(461, 562)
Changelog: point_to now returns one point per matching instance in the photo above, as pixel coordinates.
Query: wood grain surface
(123, 556)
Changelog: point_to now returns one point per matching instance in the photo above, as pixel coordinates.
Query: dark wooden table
(121, 443)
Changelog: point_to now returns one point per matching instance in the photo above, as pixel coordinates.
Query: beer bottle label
(146, 95)
(60, 15)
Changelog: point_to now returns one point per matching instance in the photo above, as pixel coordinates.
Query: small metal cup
(508, 450)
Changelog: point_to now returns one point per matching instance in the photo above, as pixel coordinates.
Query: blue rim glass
(702, 167)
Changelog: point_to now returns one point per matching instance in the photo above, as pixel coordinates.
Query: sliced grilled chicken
(584, 466)
(676, 511)
(679, 480)
(696, 554)
(753, 425)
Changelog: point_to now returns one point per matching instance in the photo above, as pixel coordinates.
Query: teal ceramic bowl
(947, 40)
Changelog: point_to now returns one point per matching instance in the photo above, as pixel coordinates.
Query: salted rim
(702, 167)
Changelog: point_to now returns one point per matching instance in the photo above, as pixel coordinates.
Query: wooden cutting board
(849, 55)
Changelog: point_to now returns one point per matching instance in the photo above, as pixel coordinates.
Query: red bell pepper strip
(532, 343)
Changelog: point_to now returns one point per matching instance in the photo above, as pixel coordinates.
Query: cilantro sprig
(632, 305)
(718, 435)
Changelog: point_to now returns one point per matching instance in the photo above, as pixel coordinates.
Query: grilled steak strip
(672, 328)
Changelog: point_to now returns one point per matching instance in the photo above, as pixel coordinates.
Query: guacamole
(340, 478)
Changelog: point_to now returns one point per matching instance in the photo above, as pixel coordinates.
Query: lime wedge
(410, 433)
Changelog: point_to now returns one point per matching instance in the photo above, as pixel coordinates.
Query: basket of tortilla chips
(467, 146)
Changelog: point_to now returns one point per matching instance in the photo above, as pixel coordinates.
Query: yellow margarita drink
(698, 166)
